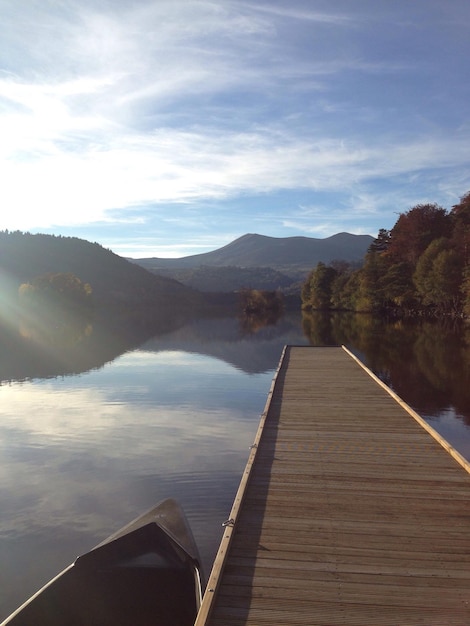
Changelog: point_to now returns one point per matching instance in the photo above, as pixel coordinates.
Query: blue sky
(172, 127)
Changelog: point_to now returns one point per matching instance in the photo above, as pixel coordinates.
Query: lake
(101, 420)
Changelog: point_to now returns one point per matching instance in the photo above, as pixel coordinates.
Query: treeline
(57, 290)
(420, 266)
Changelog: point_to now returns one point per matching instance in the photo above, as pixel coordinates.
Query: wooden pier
(351, 510)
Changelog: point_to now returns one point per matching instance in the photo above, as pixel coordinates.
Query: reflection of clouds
(82, 455)
(76, 451)
(139, 357)
(451, 425)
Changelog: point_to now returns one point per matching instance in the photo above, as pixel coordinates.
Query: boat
(148, 572)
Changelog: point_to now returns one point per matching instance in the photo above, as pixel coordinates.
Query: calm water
(96, 426)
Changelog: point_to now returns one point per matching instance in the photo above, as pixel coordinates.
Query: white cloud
(117, 107)
(171, 166)
(302, 13)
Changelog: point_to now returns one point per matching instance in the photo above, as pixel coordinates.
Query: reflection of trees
(426, 363)
(460, 375)
(254, 322)
(323, 328)
(54, 342)
(54, 312)
(62, 330)
(259, 308)
(318, 327)
(438, 356)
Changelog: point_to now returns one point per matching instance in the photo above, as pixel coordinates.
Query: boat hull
(147, 573)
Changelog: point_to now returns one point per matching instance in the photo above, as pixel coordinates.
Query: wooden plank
(353, 510)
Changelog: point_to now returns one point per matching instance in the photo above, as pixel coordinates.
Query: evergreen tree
(381, 242)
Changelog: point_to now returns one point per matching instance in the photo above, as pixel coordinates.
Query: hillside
(223, 279)
(280, 253)
(24, 256)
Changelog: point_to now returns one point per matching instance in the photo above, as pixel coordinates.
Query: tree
(461, 212)
(448, 273)
(317, 290)
(345, 291)
(438, 276)
(341, 294)
(369, 296)
(396, 287)
(381, 242)
(465, 291)
(259, 301)
(306, 292)
(415, 230)
(62, 289)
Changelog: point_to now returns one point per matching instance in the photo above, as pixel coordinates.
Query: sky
(172, 127)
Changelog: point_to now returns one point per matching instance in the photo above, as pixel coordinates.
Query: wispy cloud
(85, 183)
(112, 109)
(301, 13)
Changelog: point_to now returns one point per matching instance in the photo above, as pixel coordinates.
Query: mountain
(279, 253)
(24, 256)
(257, 261)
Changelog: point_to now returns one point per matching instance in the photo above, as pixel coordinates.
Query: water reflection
(225, 339)
(427, 363)
(84, 436)
(82, 455)
(124, 414)
(67, 342)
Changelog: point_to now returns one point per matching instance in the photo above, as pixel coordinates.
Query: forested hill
(24, 256)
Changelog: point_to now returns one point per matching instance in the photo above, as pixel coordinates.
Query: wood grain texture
(352, 514)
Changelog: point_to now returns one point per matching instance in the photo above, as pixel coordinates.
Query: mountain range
(258, 261)
(281, 253)
(253, 261)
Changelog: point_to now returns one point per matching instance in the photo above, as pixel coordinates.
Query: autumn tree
(423, 262)
(344, 290)
(260, 301)
(461, 212)
(465, 291)
(317, 289)
(438, 275)
(369, 294)
(415, 230)
(396, 287)
(56, 289)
